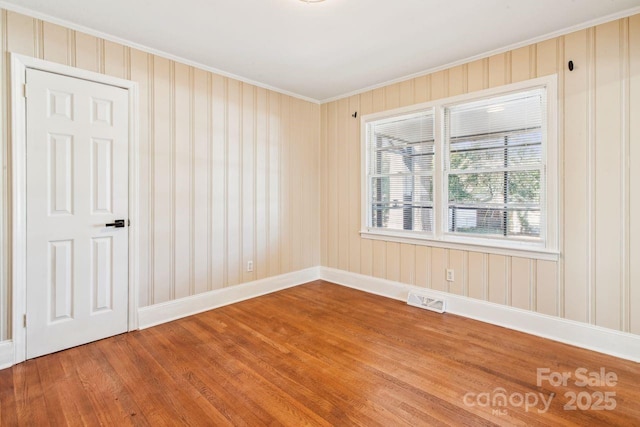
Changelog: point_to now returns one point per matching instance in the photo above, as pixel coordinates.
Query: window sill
(525, 252)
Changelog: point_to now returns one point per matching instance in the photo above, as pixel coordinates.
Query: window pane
(489, 188)
(402, 131)
(476, 188)
(496, 153)
(402, 217)
(524, 187)
(404, 160)
(402, 189)
(514, 112)
(495, 222)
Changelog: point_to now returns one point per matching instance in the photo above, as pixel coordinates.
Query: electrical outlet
(450, 275)
(249, 266)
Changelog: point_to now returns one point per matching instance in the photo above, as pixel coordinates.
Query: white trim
(468, 245)
(544, 248)
(18, 206)
(76, 27)
(134, 205)
(6, 354)
(54, 67)
(183, 307)
(588, 24)
(19, 65)
(594, 338)
(5, 209)
(590, 337)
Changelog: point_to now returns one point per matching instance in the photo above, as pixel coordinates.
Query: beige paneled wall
(228, 172)
(597, 279)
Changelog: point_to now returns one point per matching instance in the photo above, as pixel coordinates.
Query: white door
(77, 183)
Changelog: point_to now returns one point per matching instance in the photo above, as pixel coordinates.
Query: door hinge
(24, 320)
(24, 90)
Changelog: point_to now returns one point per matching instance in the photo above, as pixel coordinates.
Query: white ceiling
(327, 49)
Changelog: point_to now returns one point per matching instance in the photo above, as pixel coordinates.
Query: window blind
(494, 167)
(400, 172)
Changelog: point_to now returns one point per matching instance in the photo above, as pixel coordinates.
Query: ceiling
(324, 50)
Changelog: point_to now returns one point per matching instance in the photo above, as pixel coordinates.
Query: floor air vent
(423, 301)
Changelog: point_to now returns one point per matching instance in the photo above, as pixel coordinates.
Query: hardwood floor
(316, 354)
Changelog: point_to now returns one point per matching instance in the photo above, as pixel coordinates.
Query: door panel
(101, 154)
(77, 182)
(61, 254)
(60, 173)
(101, 281)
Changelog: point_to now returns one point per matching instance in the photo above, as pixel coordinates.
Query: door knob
(119, 223)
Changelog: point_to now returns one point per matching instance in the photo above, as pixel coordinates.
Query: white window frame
(547, 248)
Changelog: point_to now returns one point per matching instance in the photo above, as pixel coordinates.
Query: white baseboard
(590, 337)
(183, 307)
(6, 354)
(595, 338)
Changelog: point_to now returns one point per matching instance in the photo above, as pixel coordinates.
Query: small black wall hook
(570, 65)
(355, 115)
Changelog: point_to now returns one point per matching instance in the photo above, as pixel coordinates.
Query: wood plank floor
(316, 354)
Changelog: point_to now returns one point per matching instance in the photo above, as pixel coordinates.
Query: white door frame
(19, 65)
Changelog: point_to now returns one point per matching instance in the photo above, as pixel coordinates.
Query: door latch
(119, 223)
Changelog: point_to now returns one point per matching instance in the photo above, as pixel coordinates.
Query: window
(494, 166)
(479, 169)
(401, 173)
